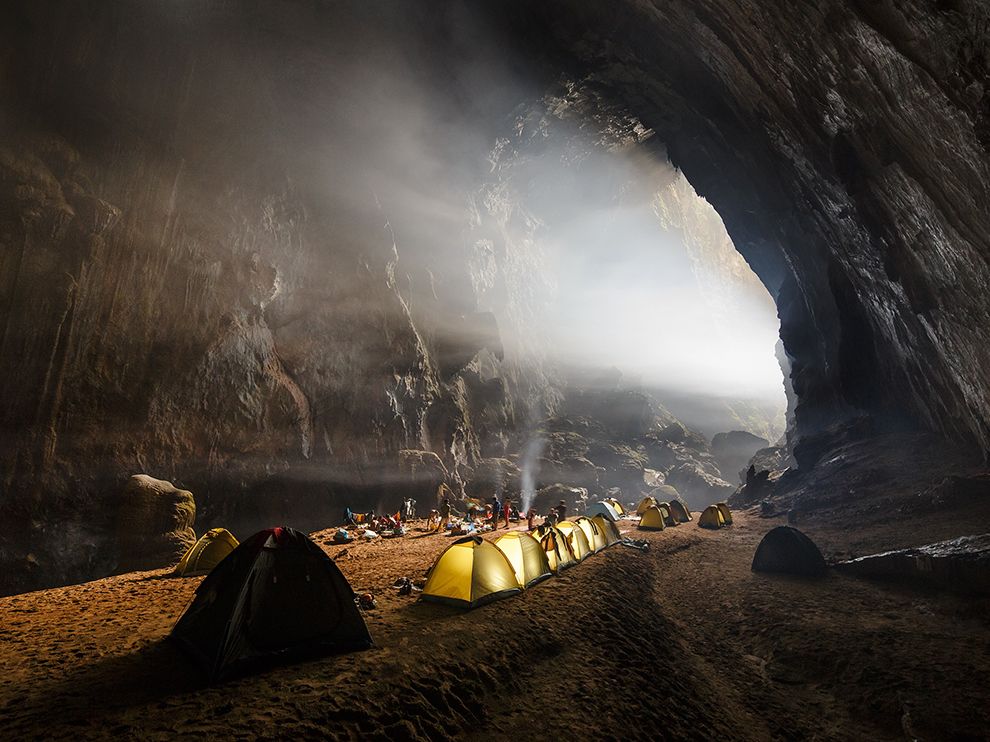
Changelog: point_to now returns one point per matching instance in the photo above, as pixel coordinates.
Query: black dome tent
(277, 596)
(788, 551)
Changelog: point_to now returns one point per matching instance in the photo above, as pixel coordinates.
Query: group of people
(439, 518)
(552, 518)
(494, 515)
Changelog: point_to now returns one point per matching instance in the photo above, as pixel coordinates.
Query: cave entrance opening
(643, 287)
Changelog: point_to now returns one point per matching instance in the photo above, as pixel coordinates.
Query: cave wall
(845, 147)
(211, 274)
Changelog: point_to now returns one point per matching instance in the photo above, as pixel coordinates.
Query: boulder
(771, 458)
(653, 477)
(962, 565)
(698, 488)
(757, 486)
(154, 523)
(665, 493)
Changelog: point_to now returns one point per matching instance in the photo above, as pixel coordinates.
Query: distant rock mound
(733, 451)
(698, 487)
(154, 523)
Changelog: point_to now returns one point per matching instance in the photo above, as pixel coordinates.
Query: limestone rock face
(575, 499)
(845, 145)
(494, 478)
(154, 523)
(424, 473)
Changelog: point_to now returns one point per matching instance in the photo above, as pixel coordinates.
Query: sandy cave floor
(682, 641)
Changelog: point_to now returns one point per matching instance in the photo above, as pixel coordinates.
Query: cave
(265, 264)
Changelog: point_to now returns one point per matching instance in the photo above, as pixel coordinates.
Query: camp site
(495, 370)
(282, 607)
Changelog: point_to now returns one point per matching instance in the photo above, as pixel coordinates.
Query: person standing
(507, 510)
(444, 514)
(496, 512)
(561, 511)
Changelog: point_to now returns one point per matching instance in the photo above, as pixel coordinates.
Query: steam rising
(529, 463)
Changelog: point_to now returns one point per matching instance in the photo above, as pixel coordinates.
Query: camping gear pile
(370, 526)
(472, 571)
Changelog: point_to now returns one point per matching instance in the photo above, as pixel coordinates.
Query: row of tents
(278, 595)
(472, 571)
(655, 516)
(600, 518)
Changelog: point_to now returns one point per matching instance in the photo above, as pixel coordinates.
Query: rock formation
(154, 523)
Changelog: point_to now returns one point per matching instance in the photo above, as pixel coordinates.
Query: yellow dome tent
(470, 572)
(206, 553)
(558, 551)
(711, 517)
(726, 513)
(595, 537)
(644, 504)
(680, 511)
(615, 504)
(526, 556)
(652, 520)
(576, 539)
(608, 529)
(668, 516)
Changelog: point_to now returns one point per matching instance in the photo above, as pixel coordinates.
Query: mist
(461, 150)
(670, 304)
(543, 184)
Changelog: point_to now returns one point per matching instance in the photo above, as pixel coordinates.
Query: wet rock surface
(961, 564)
